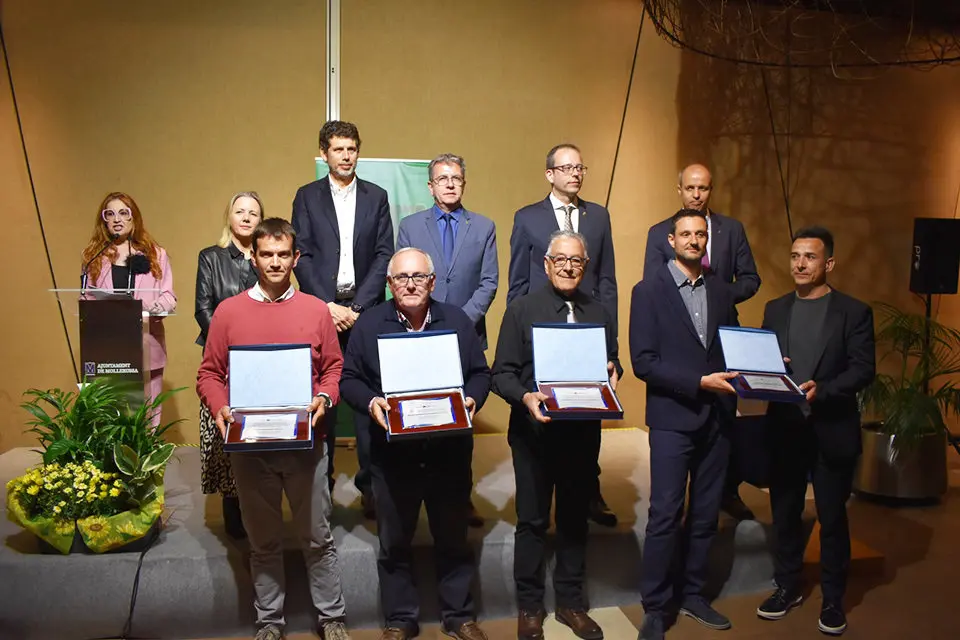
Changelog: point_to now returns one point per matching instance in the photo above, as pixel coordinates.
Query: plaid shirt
(409, 327)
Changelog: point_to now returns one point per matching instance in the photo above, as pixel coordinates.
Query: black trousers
(797, 454)
(675, 557)
(435, 472)
(558, 457)
(361, 429)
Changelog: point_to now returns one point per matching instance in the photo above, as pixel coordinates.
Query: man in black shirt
(827, 338)
(561, 456)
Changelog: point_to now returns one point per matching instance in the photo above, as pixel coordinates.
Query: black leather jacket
(221, 273)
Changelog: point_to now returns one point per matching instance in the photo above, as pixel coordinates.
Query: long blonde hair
(226, 237)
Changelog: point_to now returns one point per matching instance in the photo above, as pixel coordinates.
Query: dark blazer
(360, 382)
(532, 227)
(222, 272)
(318, 239)
(846, 365)
(470, 282)
(667, 354)
(730, 257)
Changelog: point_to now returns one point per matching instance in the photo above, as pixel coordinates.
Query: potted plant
(904, 446)
(100, 484)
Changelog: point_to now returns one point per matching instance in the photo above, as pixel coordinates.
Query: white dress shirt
(345, 202)
(558, 210)
(259, 295)
(709, 239)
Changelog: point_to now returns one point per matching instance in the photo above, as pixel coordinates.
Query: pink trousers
(153, 389)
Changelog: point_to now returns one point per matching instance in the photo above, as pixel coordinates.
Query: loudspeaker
(935, 262)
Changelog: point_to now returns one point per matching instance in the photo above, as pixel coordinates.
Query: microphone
(85, 274)
(138, 264)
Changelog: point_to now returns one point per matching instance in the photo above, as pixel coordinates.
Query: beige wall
(183, 103)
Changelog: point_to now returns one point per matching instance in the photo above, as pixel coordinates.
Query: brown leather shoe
(467, 631)
(530, 624)
(393, 633)
(582, 625)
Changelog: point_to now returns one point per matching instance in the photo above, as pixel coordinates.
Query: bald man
(728, 257)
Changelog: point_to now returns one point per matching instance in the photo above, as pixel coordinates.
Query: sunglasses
(109, 215)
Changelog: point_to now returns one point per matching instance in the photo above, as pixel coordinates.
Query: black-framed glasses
(419, 279)
(570, 168)
(561, 261)
(442, 181)
(109, 214)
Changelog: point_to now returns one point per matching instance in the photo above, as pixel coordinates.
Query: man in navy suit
(827, 339)
(728, 257)
(462, 245)
(675, 349)
(564, 210)
(345, 239)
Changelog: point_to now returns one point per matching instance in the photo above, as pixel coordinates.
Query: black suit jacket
(730, 257)
(532, 226)
(318, 239)
(667, 354)
(845, 366)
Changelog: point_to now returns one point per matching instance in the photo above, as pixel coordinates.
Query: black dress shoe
(601, 513)
(734, 506)
(232, 520)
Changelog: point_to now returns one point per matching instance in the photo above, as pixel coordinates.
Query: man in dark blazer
(345, 238)
(675, 349)
(728, 257)
(434, 471)
(828, 340)
(563, 210)
(462, 245)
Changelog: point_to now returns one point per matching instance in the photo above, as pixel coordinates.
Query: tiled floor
(914, 593)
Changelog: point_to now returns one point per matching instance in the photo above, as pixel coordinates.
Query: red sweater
(240, 320)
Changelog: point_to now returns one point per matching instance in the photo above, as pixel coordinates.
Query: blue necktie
(448, 240)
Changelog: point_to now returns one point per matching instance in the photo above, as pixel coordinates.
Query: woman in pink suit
(133, 260)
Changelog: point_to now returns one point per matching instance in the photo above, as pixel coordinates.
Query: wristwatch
(356, 308)
(326, 399)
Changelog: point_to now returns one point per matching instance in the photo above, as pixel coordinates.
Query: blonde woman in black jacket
(223, 271)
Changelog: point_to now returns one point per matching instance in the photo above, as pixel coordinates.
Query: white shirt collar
(343, 192)
(258, 294)
(556, 204)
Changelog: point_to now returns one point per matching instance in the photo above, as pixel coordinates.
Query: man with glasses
(558, 458)
(461, 243)
(564, 210)
(434, 470)
(345, 238)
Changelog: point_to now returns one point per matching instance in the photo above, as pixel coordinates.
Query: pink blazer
(155, 341)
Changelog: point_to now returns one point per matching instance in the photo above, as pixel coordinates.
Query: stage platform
(195, 583)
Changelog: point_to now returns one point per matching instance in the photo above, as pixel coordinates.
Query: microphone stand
(85, 274)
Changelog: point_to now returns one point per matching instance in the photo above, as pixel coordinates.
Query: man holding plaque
(675, 349)
(727, 256)
(563, 209)
(559, 457)
(432, 469)
(271, 313)
(827, 339)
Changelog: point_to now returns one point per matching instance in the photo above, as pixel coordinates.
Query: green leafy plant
(913, 402)
(143, 474)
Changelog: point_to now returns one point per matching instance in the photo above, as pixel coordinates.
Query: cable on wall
(36, 203)
(626, 104)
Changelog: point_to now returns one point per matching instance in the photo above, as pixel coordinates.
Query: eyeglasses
(561, 261)
(443, 181)
(570, 168)
(110, 214)
(419, 279)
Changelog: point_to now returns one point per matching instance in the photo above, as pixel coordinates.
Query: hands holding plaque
(756, 369)
(575, 381)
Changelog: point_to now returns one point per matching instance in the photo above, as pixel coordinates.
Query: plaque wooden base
(551, 408)
(233, 443)
(757, 386)
(461, 417)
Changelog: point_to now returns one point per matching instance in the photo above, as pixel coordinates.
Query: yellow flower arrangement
(69, 492)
